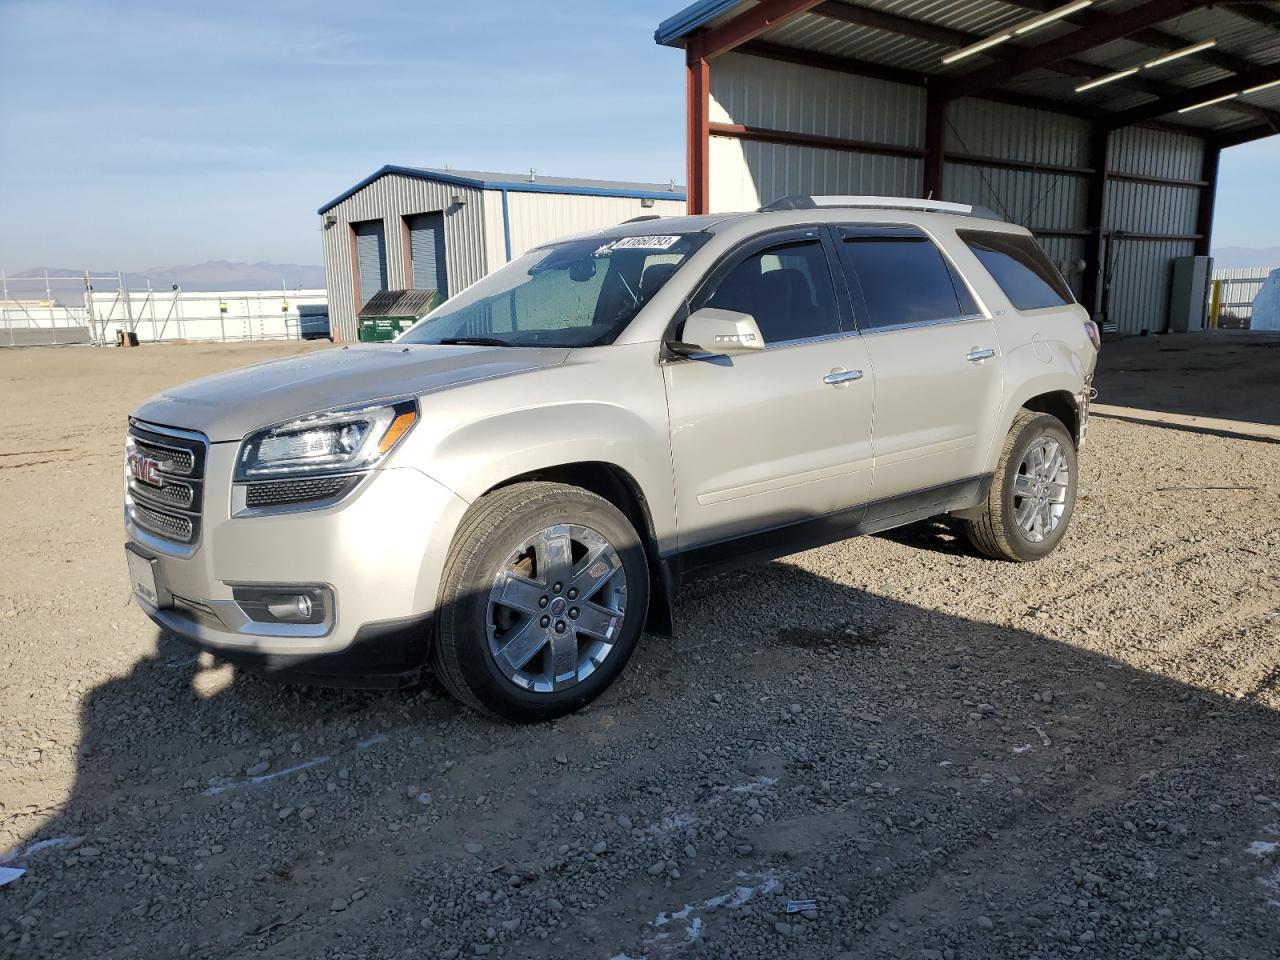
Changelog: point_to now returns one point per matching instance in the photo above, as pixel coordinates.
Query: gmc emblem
(145, 470)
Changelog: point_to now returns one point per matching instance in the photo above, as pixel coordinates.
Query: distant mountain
(211, 275)
(1227, 257)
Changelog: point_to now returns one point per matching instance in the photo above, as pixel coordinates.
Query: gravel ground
(948, 757)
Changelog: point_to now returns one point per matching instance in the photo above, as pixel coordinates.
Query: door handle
(977, 355)
(837, 377)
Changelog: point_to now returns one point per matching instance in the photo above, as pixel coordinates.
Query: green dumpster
(391, 312)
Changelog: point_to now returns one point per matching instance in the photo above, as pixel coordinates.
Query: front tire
(1033, 492)
(543, 600)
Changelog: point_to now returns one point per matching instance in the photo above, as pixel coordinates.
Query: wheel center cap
(558, 606)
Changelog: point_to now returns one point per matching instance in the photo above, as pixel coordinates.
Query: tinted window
(903, 277)
(787, 289)
(1020, 267)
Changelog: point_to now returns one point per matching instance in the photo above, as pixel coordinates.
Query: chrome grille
(167, 525)
(173, 492)
(164, 476)
(173, 460)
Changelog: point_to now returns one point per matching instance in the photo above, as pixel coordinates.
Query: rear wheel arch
(1060, 404)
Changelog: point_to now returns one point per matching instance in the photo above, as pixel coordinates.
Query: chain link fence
(1235, 289)
(102, 310)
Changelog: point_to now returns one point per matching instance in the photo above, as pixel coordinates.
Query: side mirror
(710, 332)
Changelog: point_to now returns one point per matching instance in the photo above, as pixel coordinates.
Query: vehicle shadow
(937, 784)
(1227, 375)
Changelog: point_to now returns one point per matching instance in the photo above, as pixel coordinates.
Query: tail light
(1095, 337)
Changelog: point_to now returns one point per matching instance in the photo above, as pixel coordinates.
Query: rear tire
(543, 599)
(1033, 492)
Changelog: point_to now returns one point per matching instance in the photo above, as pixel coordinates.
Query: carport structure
(1096, 123)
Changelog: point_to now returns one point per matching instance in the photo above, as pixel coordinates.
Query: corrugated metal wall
(746, 175)
(473, 230)
(771, 95)
(783, 96)
(1141, 269)
(539, 217)
(390, 198)
(1043, 201)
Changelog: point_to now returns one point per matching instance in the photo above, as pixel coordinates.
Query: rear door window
(1020, 268)
(902, 276)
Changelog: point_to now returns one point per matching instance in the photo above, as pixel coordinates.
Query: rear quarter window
(1020, 268)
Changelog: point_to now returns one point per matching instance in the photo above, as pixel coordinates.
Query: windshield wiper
(474, 341)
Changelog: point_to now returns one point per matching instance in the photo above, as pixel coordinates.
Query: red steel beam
(1247, 135)
(738, 131)
(1189, 97)
(746, 26)
(949, 37)
(697, 133)
(1114, 27)
(1151, 37)
(1208, 194)
(1095, 219)
(935, 131)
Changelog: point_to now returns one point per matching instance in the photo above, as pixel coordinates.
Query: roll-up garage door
(426, 246)
(371, 258)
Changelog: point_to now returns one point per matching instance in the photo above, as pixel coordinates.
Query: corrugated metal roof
(521, 183)
(1236, 36)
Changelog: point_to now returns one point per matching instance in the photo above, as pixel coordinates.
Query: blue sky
(137, 134)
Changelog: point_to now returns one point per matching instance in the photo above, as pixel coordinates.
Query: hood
(229, 405)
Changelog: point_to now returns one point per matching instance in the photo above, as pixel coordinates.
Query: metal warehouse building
(1097, 124)
(410, 228)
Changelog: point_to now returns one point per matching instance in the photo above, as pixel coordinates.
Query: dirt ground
(952, 758)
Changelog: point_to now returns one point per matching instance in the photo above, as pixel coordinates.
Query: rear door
(935, 355)
(766, 440)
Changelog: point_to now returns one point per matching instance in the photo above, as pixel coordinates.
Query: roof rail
(801, 202)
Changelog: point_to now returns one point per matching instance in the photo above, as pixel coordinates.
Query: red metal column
(1208, 194)
(1095, 220)
(935, 125)
(698, 135)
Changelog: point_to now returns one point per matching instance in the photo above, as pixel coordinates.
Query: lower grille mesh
(279, 492)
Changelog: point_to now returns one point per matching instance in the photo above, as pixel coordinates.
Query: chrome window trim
(917, 324)
(804, 341)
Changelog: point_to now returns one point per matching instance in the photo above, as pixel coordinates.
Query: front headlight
(335, 441)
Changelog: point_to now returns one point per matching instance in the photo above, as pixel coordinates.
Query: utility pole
(48, 299)
(128, 304)
(8, 324)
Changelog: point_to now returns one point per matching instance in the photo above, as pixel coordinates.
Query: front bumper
(385, 654)
(379, 551)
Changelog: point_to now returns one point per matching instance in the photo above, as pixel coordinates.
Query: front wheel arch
(620, 488)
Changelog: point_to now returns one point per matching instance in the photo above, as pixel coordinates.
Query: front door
(936, 359)
(765, 440)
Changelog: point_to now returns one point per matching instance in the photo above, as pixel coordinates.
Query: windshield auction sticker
(644, 243)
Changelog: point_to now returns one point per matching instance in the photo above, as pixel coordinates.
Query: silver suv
(513, 490)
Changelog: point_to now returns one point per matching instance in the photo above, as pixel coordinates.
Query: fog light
(284, 603)
(290, 608)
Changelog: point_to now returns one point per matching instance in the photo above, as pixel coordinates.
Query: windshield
(575, 293)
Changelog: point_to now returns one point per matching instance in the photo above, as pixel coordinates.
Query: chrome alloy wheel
(556, 608)
(1040, 489)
